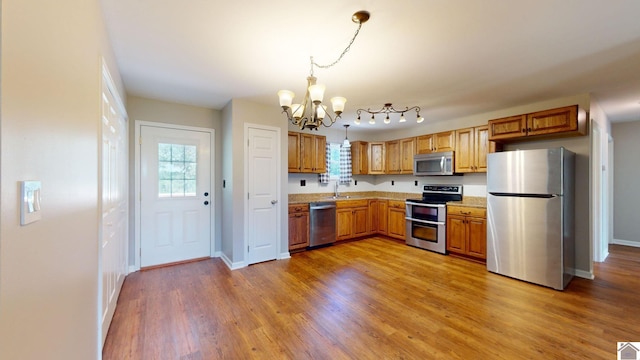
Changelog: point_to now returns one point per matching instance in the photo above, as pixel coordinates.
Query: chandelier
(311, 112)
(388, 109)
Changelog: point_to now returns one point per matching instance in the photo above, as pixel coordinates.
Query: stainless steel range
(426, 217)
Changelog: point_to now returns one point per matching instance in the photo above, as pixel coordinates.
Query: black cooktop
(439, 194)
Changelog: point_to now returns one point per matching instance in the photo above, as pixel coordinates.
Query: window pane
(334, 161)
(177, 170)
(164, 170)
(177, 152)
(190, 153)
(164, 188)
(164, 152)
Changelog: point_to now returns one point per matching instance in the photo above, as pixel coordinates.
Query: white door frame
(137, 177)
(279, 254)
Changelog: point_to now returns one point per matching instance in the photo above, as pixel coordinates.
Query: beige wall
(626, 145)
(141, 109)
(50, 123)
(236, 115)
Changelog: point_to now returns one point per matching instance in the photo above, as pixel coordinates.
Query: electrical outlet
(416, 182)
(393, 182)
(355, 182)
(303, 182)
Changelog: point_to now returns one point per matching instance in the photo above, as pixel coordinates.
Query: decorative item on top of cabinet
(376, 158)
(560, 122)
(352, 218)
(430, 143)
(359, 157)
(472, 147)
(397, 222)
(310, 151)
(467, 232)
(298, 226)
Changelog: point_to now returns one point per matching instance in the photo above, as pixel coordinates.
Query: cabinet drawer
(341, 204)
(466, 211)
(396, 204)
(297, 208)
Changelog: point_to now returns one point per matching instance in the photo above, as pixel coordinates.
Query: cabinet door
(477, 237)
(320, 154)
(456, 234)
(307, 149)
(360, 221)
(464, 156)
(425, 144)
(507, 128)
(481, 147)
(445, 141)
(407, 150)
(294, 152)
(344, 221)
(397, 223)
(383, 216)
(553, 121)
(373, 216)
(298, 230)
(392, 149)
(376, 157)
(359, 158)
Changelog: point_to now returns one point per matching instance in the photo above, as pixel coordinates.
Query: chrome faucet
(336, 192)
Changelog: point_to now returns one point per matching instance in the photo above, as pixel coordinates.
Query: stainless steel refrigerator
(530, 215)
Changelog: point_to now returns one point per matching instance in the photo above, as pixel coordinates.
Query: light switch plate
(30, 210)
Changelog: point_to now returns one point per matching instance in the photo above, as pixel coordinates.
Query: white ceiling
(452, 58)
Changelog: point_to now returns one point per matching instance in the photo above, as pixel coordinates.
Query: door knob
(206, 202)
(273, 202)
(206, 194)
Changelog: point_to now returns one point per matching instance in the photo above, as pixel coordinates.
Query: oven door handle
(424, 221)
(425, 205)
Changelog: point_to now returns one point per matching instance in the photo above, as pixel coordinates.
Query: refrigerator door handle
(544, 196)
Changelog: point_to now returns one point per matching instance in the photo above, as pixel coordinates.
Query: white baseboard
(217, 254)
(625, 242)
(584, 274)
(285, 255)
(230, 264)
(132, 269)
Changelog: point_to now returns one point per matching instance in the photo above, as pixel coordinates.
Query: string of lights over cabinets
(388, 109)
(311, 113)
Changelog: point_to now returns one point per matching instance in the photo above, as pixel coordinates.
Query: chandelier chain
(341, 55)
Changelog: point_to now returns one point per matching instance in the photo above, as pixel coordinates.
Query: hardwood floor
(372, 299)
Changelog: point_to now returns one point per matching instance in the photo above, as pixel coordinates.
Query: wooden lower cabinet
(298, 226)
(397, 222)
(352, 218)
(467, 232)
(378, 217)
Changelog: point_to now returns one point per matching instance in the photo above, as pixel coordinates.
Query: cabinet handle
(529, 129)
(465, 213)
(524, 130)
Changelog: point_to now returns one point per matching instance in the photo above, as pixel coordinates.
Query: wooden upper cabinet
(359, 157)
(472, 147)
(376, 158)
(443, 141)
(564, 121)
(392, 149)
(294, 152)
(310, 153)
(553, 121)
(407, 150)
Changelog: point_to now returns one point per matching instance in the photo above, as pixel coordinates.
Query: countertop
(470, 201)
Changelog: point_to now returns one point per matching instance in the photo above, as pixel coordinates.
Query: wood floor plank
(371, 299)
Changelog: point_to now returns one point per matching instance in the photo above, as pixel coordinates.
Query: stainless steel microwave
(433, 164)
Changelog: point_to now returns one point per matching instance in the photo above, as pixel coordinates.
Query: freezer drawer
(525, 240)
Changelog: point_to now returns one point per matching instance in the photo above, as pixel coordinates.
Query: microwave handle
(442, 164)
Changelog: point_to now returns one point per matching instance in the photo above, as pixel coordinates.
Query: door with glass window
(175, 195)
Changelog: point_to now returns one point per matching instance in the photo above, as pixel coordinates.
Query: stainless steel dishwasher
(323, 223)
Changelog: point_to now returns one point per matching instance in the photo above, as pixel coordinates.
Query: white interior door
(114, 208)
(263, 208)
(176, 199)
